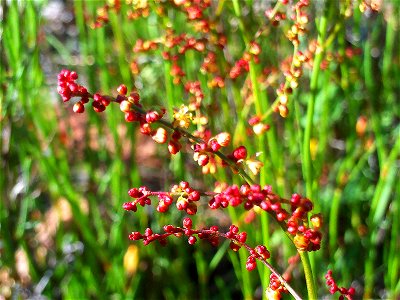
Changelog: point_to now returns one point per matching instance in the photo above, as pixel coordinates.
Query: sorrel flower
(333, 287)
(292, 215)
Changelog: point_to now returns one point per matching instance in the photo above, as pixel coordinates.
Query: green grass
(53, 179)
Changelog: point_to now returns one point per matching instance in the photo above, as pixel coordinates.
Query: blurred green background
(65, 176)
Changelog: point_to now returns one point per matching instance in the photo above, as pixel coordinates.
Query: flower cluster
(183, 195)
(295, 223)
(257, 125)
(204, 145)
(68, 88)
(136, 9)
(333, 287)
(211, 234)
(240, 67)
(275, 288)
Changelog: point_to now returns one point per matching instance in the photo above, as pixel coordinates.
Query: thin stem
(275, 272)
(306, 154)
(311, 288)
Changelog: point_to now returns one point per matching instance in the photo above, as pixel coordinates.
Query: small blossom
(254, 165)
(182, 117)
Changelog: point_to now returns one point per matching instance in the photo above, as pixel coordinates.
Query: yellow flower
(254, 165)
(182, 117)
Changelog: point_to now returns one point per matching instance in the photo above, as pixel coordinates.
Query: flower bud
(283, 110)
(203, 159)
(316, 221)
(240, 153)
(160, 136)
(260, 128)
(78, 107)
(301, 242)
(98, 106)
(174, 147)
(223, 138)
(122, 89)
(125, 106)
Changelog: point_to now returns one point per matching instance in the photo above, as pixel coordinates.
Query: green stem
(311, 288)
(306, 154)
(307, 163)
(379, 205)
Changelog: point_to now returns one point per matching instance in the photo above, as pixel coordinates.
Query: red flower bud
(122, 89)
(78, 107)
(160, 136)
(240, 153)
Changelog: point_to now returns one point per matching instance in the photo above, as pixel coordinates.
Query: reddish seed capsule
(168, 200)
(191, 209)
(169, 228)
(181, 203)
(135, 97)
(78, 107)
(351, 291)
(130, 116)
(98, 106)
(223, 138)
(242, 237)
(97, 97)
(174, 147)
(152, 116)
(248, 205)
(73, 75)
(307, 205)
(234, 229)
(135, 236)
(83, 90)
(254, 120)
(295, 200)
(235, 247)
(122, 89)
(214, 145)
(292, 230)
(192, 240)
(135, 193)
(105, 101)
(194, 196)
(73, 87)
(203, 159)
(240, 153)
(184, 185)
(251, 263)
(162, 208)
(148, 232)
(281, 216)
(187, 223)
(214, 228)
(160, 136)
(263, 252)
(125, 106)
(130, 206)
(145, 129)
